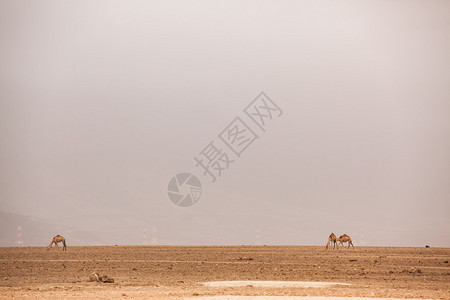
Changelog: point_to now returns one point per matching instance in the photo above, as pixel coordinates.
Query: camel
(345, 239)
(331, 240)
(58, 239)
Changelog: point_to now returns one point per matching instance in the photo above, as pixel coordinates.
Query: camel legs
(51, 244)
(350, 244)
(56, 245)
(328, 244)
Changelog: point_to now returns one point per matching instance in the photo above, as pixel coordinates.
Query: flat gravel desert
(185, 272)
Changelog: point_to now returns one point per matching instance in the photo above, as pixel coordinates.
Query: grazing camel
(331, 240)
(58, 239)
(345, 239)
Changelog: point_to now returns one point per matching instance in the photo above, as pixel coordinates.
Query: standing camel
(345, 239)
(331, 240)
(58, 239)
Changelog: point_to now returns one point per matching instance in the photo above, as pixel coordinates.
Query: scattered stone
(134, 269)
(446, 262)
(375, 261)
(244, 258)
(106, 279)
(391, 272)
(427, 246)
(414, 270)
(240, 258)
(353, 260)
(95, 277)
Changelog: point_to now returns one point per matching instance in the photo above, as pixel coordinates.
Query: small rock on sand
(97, 278)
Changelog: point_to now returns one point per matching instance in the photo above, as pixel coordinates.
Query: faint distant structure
(19, 238)
(362, 237)
(145, 236)
(258, 237)
(154, 236)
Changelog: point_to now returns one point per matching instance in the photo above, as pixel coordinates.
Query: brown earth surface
(174, 272)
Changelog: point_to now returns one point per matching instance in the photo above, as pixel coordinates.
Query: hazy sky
(103, 102)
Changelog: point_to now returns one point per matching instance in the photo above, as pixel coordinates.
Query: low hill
(20, 230)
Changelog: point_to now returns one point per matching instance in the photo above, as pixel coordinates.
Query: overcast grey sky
(102, 102)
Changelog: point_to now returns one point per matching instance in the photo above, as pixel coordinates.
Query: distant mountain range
(20, 230)
(206, 226)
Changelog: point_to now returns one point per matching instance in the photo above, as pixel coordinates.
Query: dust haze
(103, 102)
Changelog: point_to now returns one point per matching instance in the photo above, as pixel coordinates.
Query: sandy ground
(175, 272)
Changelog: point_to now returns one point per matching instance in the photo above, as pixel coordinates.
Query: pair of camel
(332, 239)
(58, 239)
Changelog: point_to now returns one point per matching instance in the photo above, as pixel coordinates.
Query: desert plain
(181, 272)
